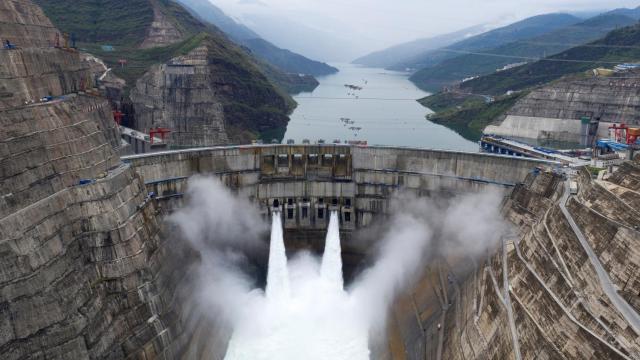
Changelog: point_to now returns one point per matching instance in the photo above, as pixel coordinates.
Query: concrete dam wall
(308, 179)
(307, 182)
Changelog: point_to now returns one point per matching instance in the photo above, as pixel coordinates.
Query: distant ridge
(283, 59)
(621, 45)
(405, 51)
(524, 29)
(464, 66)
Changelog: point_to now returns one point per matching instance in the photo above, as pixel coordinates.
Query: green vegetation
(521, 30)
(283, 59)
(291, 83)
(286, 60)
(114, 22)
(124, 23)
(443, 101)
(247, 87)
(276, 133)
(140, 60)
(618, 46)
(461, 67)
(469, 117)
(594, 171)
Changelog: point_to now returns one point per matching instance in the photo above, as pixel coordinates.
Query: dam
(305, 183)
(309, 180)
(93, 264)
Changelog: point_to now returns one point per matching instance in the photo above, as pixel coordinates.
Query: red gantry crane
(159, 131)
(624, 134)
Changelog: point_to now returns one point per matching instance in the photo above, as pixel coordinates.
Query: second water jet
(331, 269)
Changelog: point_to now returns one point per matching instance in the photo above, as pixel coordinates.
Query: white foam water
(331, 269)
(305, 314)
(278, 275)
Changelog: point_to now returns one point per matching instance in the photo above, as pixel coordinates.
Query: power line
(352, 98)
(529, 58)
(569, 45)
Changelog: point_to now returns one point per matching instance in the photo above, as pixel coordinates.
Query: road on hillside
(618, 301)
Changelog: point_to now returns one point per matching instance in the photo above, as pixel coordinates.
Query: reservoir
(376, 105)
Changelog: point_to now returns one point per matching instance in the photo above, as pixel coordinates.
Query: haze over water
(385, 109)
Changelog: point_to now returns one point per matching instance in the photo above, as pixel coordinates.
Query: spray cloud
(317, 318)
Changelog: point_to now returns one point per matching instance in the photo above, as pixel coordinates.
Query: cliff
(540, 295)
(208, 97)
(155, 35)
(82, 261)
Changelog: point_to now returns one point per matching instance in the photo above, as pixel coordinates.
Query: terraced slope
(148, 33)
(80, 262)
(546, 292)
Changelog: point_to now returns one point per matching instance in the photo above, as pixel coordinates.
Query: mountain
(205, 10)
(286, 60)
(403, 52)
(153, 34)
(329, 43)
(524, 29)
(547, 79)
(469, 65)
(618, 46)
(632, 13)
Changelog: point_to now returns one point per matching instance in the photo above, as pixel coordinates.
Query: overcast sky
(368, 25)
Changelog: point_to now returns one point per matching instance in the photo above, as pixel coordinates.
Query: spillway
(305, 313)
(331, 269)
(278, 276)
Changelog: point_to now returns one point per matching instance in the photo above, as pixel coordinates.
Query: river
(383, 112)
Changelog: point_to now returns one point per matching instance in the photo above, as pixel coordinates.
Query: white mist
(315, 319)
(305, 313)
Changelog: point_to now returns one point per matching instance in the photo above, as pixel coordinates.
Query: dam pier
(306, 182)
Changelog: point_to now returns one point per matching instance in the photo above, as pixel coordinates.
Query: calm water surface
(383, 112)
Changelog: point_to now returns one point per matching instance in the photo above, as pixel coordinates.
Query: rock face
(162, 32)
(80, 264)
(207, 91)
(206, 99)
(28, 74)
(554, 111)
(539, 295)
(179, 96)
(34, 69)
(25, 25)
